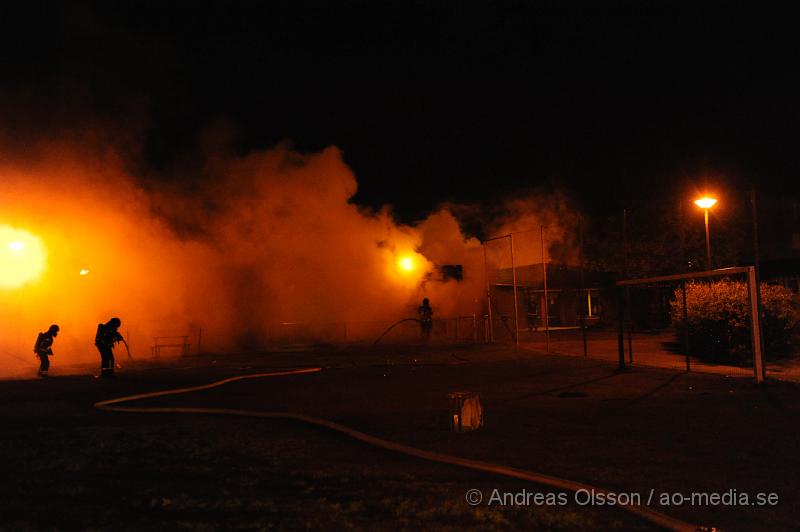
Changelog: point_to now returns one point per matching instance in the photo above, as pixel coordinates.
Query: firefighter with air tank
(107, 337)
(44, 348)
(425, 313)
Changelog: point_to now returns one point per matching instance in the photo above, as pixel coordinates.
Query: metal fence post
(755, 320)
(582, 290)
(546, 312)
(514, 282)
(621, 328)
(628, 304)
(756, 260)
(685, 327)
(490, 330)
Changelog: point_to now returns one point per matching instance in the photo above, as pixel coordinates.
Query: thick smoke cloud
(269, 246)
(255, 249)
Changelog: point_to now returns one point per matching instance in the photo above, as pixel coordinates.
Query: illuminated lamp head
(22, 257)
(705, 202)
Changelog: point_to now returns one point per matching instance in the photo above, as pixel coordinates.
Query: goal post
(752, 292)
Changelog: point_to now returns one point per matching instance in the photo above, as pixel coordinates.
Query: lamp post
(706, 203)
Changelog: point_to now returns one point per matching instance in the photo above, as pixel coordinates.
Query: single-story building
(565, 305)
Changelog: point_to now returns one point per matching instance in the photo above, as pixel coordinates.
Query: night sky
(612, 102)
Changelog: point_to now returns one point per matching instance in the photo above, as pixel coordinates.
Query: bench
(160, 342)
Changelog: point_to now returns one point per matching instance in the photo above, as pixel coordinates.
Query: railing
(159, 342)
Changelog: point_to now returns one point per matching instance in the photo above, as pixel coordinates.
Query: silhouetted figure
(425, 313)
(44, 348)
(105, 339)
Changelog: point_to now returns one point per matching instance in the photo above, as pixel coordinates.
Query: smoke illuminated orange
(22, 257)
(154, 259)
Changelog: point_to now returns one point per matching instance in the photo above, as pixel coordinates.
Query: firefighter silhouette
(107, 336)
(44, 348)
(425, 313)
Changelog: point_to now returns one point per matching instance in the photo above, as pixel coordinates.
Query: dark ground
(66, 465)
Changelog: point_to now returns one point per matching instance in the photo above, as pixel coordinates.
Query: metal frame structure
(545, 310)
(759, 369)
(546, 319)
(510, 236)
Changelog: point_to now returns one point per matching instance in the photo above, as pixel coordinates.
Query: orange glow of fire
(406, 263)
(407, 267)
(22, 257)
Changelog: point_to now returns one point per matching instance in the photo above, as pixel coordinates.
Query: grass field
(68, 466)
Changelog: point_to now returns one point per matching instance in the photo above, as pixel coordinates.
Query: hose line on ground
(657, 518)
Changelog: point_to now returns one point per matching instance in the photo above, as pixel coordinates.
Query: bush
(718, 318)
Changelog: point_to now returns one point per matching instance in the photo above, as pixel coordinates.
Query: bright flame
(406, 263)
(705, 202)
(22, 258)
(84, 272)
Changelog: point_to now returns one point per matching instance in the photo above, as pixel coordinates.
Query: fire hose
(654, 517)
(128, 349)
(392, 326)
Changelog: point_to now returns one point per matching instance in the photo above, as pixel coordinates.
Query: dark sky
(429, 101)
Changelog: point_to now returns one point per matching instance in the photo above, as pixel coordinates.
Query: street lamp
(706, 203)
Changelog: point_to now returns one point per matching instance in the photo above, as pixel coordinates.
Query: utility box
(466, 411)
